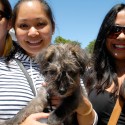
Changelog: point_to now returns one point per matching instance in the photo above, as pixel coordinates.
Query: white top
(15, 91)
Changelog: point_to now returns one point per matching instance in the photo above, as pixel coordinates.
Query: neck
(120, 67)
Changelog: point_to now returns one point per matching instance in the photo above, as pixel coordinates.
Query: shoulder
(7, 66)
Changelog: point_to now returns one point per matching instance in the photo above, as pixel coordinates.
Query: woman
(109, 65)
(34, 29)
(5, 25)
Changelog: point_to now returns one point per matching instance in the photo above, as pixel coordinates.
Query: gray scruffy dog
(61, 65)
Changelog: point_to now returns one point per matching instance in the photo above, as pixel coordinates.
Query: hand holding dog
(33, 119)
(85, 112)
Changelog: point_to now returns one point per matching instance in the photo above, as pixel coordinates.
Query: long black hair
(103, 64)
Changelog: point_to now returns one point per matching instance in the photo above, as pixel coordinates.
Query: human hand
(85, 113)
(33, 119)
(84, 107)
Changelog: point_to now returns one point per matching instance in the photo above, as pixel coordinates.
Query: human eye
(41, 24)
(23, 26)
(1, 17)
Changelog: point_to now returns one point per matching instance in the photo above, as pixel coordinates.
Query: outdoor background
(79, 20)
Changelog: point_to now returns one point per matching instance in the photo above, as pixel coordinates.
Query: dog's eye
(44, 72)
(52, 72)
(71, 73)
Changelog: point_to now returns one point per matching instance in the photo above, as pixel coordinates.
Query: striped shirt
(15, 91)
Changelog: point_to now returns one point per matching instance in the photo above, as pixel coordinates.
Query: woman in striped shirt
(34, 26)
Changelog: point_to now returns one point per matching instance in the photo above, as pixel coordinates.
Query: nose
(33, 32)
(62, 90)
(121, 36)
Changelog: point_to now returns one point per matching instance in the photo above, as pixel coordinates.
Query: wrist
(85, 107)
(89, 111)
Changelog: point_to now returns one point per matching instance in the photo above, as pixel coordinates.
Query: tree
(59, 39)
(90, 47)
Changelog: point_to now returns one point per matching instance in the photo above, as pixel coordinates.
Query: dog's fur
(61, 65)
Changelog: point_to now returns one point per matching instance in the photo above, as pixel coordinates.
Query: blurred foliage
(60, 39)
(90, 47)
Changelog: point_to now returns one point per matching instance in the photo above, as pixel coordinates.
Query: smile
(34, 43)
(119, 46)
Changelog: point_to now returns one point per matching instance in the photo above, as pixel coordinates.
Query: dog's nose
(62, 91)
(64, 73)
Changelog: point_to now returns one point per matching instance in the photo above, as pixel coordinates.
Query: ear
(9, 26)
(46, 55)
(53, 28)
(81, 57)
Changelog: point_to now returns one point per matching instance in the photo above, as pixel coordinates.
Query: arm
(85, 113)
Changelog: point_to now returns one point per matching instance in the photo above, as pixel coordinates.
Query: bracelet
(89, 111)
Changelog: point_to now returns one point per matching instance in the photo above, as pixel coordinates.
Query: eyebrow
(24, 19)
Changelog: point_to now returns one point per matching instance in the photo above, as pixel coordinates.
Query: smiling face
(116, 46)
(33, 27)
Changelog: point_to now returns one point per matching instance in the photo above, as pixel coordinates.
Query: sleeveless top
(103, 103)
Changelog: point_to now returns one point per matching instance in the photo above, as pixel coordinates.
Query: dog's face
(61, 65)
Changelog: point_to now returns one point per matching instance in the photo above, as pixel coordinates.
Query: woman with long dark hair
(109, 65)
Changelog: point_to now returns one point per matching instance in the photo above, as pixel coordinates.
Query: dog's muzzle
(61, 81)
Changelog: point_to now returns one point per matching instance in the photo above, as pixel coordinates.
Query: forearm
(85, 113)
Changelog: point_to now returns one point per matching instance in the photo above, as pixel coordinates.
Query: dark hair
(47, 9)
(15, 13)
(7, 8)
(104, 67)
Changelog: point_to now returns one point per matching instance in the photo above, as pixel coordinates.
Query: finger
(38, 116)
(32, 123)
(44, 84)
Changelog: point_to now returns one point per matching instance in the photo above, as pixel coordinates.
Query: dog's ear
(81, 56)
(46, 55)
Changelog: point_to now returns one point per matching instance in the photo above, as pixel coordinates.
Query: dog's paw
(53, 120)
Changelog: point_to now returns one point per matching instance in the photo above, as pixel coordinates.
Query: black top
(103, 104)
